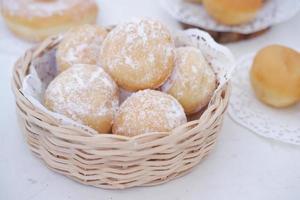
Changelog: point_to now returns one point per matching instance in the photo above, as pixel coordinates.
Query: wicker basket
(112, 161)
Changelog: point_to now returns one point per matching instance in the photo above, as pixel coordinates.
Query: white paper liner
(245, 109)
(43, 70)
(272, 12)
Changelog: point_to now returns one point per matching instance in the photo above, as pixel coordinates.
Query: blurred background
(243, 165)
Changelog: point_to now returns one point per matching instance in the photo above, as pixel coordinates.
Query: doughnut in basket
(193, 81)
(138, 55)
(85, 93)
(155, 111)
(80, 45)
(150, 141)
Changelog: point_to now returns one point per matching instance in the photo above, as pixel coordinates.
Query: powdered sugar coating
(138, 54)
(86, 94)
(43, 8)
(193, 81)
(148, 111)
(81, 45)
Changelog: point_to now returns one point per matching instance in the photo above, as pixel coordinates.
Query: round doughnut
(138, 55)
(148, 111)
(86, 94)
(35, 20)
(193, 81)
(275, 76)
(232, 12)
(81, 45)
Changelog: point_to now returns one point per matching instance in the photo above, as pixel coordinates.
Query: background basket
(112, 161)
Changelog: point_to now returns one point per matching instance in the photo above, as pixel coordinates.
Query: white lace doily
(43, 70)
(273, 12)
(248, 111)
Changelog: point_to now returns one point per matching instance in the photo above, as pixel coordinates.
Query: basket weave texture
(112, 161)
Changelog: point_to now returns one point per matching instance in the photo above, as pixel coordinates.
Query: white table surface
(243, 165)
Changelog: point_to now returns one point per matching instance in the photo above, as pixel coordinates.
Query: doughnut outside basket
(112, 161)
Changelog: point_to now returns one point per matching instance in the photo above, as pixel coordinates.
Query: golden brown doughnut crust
(275, 76)
(237, 5)
(232, 12)
(34, 24)
(194, 1)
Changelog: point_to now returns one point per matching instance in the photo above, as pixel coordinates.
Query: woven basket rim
(113, 161)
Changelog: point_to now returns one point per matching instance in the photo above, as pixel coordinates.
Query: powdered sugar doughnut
(138, 55)
(193, 81)
(148, 111)
(81, 45)
(86, 94)
(35, 20)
